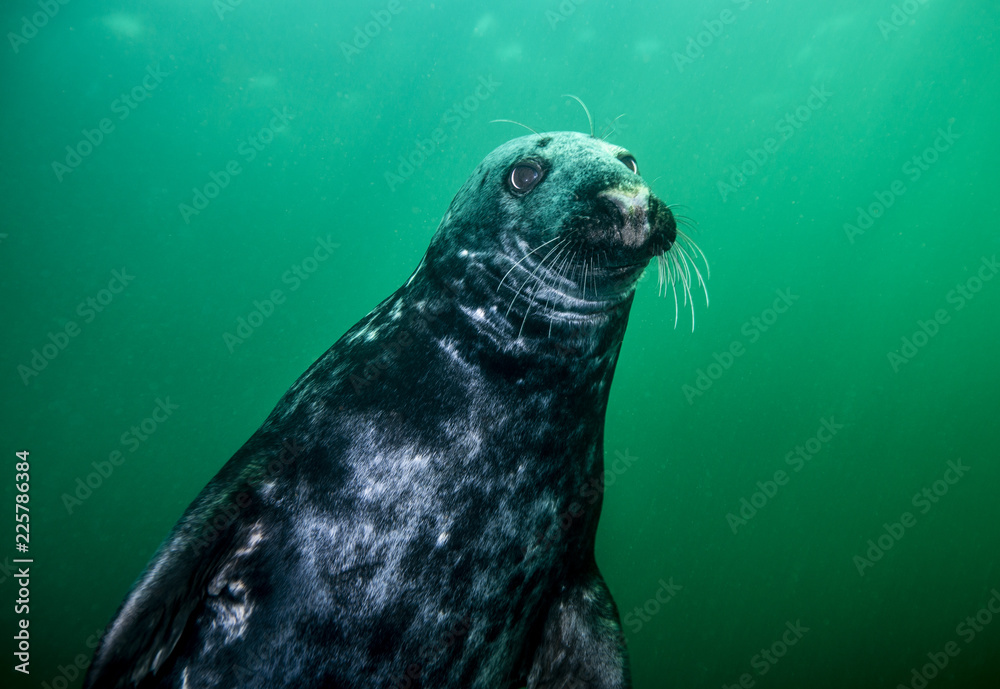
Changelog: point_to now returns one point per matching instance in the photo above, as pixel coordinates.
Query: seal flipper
(582, 643)
(162, 607)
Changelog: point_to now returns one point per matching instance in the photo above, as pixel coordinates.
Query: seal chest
(419, 509)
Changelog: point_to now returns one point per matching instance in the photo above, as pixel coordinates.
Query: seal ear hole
(525, 176)
(630, 162)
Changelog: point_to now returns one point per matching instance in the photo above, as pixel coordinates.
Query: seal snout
(644, 219)
(629, 208)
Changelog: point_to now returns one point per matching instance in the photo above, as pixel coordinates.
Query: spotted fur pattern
(419, 510)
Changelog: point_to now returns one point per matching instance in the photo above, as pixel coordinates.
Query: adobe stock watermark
(785, 128)
(642, 614)
(924, 501)
(122, 106)
(451, 121)
(366, 33)
(913, 169)
(764, 661)
(967, 630)
(368, 373)
(247, 151)
(609, 127)
(249, 665)
(959, 297)
(589, 494)
(132, 440)
(294, 277)
(752, 329)
(224, 7)
(429, 653)
(217, 523)
(30, 26)
(565, 10)
(7, 570)
(69, 673)
(87, 310)
(796, 459)
(902, 14)
(417, 319)
(696, 45)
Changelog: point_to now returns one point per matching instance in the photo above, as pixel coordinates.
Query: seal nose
(632, 207)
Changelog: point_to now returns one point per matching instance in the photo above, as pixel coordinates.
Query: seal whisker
(566, 267)
(517, 123)
(559, 263)
(683, 272)
(685, 221)
(612, 127)
(686, 271)
(557, 266)
(676, 274)
(539, 281)
(516, 294)
(555, 261)
(672, 206)
(573, 267)
(525, 258)
(677, 305)
(691, 243)
(672, 277)
(688, 264)
(687, 285)
(679, 276)
(564, 260)
(690, 257)
(590, 120)
(701, 280)
(523, 321)
(554, 267)
(591, 264)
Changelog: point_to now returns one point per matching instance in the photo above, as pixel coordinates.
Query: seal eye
(630, 163)
(525, 176)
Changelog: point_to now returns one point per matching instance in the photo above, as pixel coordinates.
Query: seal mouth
(597, 256)
(641, 228)
(627, 228)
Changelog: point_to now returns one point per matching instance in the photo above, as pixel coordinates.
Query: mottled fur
(419, 509)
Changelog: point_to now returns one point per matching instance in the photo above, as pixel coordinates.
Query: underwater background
(200, 197)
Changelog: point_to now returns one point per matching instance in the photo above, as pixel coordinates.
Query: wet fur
(420, 507)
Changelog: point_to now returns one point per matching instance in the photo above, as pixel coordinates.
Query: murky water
(201, 197)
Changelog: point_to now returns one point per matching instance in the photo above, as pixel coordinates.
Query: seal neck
(523, 329)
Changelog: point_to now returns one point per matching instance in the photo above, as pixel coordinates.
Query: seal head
(549, 230)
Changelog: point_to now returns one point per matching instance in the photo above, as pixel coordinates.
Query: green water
(824, 106)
